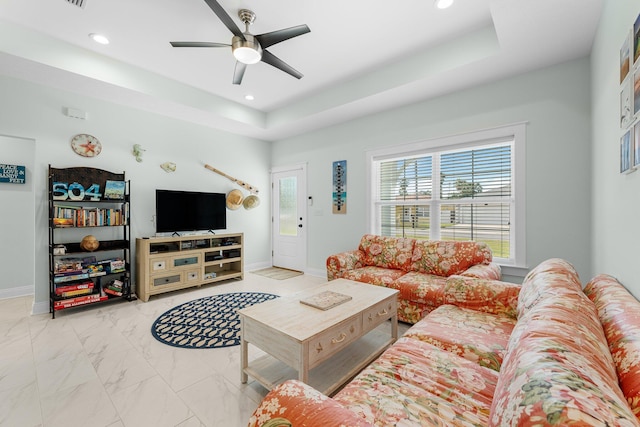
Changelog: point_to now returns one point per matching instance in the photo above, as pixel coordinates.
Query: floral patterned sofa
(428, 274)
(566, 357)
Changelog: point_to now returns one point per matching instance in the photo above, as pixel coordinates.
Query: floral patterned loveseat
(428, 274)
(567, 357)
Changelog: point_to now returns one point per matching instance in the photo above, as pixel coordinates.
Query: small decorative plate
(86, 145)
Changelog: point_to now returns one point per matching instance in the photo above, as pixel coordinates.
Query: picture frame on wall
(625, 152)
(636, 146)
(625, 57)
(636, 40)
(626, 103)
(636, 91)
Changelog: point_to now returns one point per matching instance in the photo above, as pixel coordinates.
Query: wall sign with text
(13, 174)
(339, 199)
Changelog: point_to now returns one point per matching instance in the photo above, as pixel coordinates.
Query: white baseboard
(40, 307)
(20, 291)
(316, 272)
(24, 291)
(256, 266)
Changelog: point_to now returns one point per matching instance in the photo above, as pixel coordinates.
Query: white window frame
(517, 132)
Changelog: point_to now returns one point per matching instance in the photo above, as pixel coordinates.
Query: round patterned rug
(210, 322)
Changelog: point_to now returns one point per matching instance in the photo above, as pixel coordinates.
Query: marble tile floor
(100, 366)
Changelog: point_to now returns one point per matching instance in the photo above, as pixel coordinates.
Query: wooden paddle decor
(251, 188)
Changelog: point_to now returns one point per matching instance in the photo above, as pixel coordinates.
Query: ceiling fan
(248, 48)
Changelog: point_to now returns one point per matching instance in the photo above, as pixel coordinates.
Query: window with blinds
(449, 194)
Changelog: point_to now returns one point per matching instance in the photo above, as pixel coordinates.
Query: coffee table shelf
(331, 375)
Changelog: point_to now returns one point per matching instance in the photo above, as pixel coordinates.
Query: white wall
(17, 209)
(32, 111)
(554, 101)
(616, 199)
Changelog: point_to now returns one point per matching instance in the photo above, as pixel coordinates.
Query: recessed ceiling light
(99, 38)
(443, 4)
(249, 97)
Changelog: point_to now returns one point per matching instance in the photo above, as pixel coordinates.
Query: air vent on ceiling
(79, 3)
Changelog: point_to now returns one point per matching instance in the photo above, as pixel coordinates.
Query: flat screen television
(181, 211)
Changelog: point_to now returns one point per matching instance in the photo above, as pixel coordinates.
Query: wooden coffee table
(322, 348)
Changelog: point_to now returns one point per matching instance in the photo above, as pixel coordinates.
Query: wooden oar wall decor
(251, 188)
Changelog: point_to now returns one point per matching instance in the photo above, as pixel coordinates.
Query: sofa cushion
(619, 314)
(387, 252)
(445, 258)
(479, 337)
(412, 312)
(373, 275)
(414, 383)
(558, 370)
(421, 287)
(489, 296)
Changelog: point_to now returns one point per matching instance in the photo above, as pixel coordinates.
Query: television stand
(165, 264)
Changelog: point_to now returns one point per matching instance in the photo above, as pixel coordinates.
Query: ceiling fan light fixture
(246, 51)
(443, 4)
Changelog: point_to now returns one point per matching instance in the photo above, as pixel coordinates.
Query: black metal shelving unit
(78, 202)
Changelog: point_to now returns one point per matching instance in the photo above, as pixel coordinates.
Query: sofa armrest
(338, 264)
(490, 271)
(619, 314)
(489, 296)
(294, 403)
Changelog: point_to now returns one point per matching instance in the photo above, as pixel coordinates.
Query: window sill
(511, 270)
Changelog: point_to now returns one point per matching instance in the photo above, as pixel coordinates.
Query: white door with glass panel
(289, 189)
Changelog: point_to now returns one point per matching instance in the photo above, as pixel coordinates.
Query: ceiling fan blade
(269, 39)
(225, 18)
(274, 61)
(238, 73)
(198, 44)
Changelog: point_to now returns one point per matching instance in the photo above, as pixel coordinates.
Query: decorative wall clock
(86, 145)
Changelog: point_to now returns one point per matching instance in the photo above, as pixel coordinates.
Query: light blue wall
(616, 197)
(33, 111)
(16, 220)
(554, 101)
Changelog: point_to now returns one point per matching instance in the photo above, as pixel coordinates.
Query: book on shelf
(326, 300)
(90, 217)
(115, 265)
(68, 266)
(114, 292)
(75, 287)
(76, 292)
(65, 273)
(114, 288)
(74, 302)
(63, 222)
(70, 277)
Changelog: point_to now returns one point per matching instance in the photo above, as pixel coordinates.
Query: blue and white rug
(210, 322)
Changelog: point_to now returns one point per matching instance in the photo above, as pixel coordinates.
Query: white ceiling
(361, 56)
